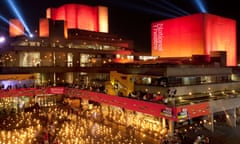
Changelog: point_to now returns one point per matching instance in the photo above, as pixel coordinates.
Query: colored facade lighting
(19, 16)
(103, 19)
(82, 17)
(87, 18)
(70, 13)
(221, 36)
(2, 39)
(197, 34)
(43, 28)
(16, 28)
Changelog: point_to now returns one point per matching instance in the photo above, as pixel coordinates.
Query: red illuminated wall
(192, 111)
(179, 37)
(221, 36)
(197, 34)
(81, 17)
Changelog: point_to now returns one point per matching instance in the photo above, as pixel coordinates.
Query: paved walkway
(222, 134)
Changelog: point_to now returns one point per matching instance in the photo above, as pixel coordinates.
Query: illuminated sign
(193, 110)
(183, 114)
(55, 90)
(168, 112)
(158, 36)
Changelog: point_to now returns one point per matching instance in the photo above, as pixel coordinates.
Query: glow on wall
(16, 28)
(179, 37)
(48, 13)
(197, 34)
(82, 17)
(103, 19)
(44, 28)
(70, 13)
(221, 36)
(87, 18)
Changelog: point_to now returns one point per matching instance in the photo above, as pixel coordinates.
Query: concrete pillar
(231, 117)
(76, 60)
(163, 123)
(171, 127)
(212, 122)
(234, 118)
(54, 79)
(54, 58)
(209, 124)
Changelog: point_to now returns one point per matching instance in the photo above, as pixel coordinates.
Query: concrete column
(212, 122)
(76, 60)
(163, 123)
(210, 125)
(54, 79)
(234, 118)
(231, 117)
(54, 58)
(171, 127)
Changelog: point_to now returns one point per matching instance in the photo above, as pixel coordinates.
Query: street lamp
(2, 39)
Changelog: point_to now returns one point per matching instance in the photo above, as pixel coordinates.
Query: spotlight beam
(154, 3)
(175, 7)
(142, 8)
(200, 5)
(6, 21)
(18, 15)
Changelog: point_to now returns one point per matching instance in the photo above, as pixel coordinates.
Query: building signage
(183, 114)
(158, 37)
(167, 112)
(56, 90)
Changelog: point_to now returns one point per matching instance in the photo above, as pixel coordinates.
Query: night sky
(130, 19)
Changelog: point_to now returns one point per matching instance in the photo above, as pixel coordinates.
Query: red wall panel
(87, 18)
(60, 13)
(197, 34)
(78, 16)
(179, 37)
(221, 36)
(71, 15)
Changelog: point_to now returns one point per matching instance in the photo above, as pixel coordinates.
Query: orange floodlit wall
(81, 17)
(16, 28)
(197, 34)
(103, 19)
(44, 28)
(179, 37)
(221, 36)
(48, 13)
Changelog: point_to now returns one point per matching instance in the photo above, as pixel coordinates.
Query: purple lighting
(2, 39)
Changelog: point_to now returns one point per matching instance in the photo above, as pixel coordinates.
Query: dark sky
(130, 19)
